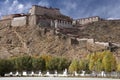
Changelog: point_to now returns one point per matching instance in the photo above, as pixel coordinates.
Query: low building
(19, 21)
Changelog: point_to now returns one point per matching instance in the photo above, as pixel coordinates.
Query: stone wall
(82, 42)
(39, 10)
(62, 23)
(19, 21)
(97, 46)
(32, 20)
(90, 45)
(87, 20)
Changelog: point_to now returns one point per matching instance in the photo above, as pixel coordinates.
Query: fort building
(41, 16)
(51, 17)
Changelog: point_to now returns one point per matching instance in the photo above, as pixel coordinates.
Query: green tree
(53, 63)
(38, 64)
(92, 63)
(13, 62)
(109, 62)
(23, 63)
(99, 66)
(58, 63)
(63, 64)
(95, 63)
(74, 66)
(118, 67)
(83, 64)
(47, 59)
(5, 66)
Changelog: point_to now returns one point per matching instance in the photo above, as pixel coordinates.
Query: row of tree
(30, 63)
(99, 61)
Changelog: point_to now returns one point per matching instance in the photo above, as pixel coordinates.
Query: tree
(74, 66)
(109, 62)
(13, 62)
(63, 64)
(83, 64)
(53, 64)
(5, 66)
(58, 63)
(92, 63)
(99, 66)
(118, 67)
(47, 58)
(95, 63)
(23, 63)
(38, 64)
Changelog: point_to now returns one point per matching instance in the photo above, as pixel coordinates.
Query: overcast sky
(73, 8)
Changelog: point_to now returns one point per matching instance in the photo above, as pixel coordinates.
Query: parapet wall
(87, 20)
(90, 44)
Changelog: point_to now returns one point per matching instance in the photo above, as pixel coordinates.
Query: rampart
(83, 21)
(38, 15)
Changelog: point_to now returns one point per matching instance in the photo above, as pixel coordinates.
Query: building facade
(48, 17)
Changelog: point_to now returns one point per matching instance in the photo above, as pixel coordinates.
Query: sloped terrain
(105, 31)
(15, 41)
(33, 40)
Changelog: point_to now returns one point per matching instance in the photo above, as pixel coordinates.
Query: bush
(5, 66)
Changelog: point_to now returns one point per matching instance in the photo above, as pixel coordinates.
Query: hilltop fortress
(38, 15)
(50, 20)
(44, 16)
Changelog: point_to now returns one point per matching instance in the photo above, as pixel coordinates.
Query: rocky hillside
(105, 31)
(15, 41)
(33, 40)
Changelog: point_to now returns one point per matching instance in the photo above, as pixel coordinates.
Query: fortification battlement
(87, 20)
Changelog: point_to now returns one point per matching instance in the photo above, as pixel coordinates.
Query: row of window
(64, 22)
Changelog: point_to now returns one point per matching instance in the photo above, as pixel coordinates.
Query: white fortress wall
(19, 21)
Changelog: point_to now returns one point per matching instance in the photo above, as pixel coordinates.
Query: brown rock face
(33, 40)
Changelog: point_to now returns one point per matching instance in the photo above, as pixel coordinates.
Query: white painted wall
(19, 21)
